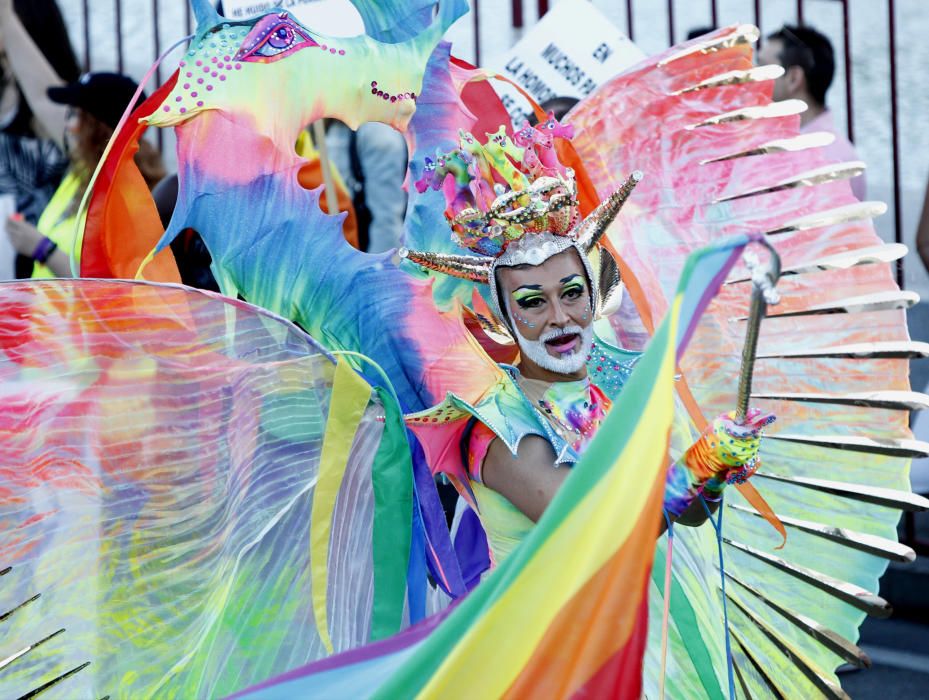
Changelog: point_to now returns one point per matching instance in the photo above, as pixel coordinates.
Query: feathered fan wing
(177, 508)
(720, 158)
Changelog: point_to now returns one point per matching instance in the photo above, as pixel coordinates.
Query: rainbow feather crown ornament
(512, 202)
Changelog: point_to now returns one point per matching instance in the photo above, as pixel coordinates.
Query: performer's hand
(728, 451)
(737, 444)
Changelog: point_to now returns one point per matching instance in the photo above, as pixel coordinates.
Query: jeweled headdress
(512, 202)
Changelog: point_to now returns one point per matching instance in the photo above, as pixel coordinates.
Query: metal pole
(800, 12)
(517, 6)
(119, 36)
(477, 32)
(758, 21)
(846, 21)
(714, 14)
(764, 279)
(86, 8)
(629, 29)
(156, 36)
(189, 20)
(894, 134)
(671, 22)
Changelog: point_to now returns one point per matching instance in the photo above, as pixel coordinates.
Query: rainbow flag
(566, 614)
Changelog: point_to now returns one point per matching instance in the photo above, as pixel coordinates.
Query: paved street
(899, 650)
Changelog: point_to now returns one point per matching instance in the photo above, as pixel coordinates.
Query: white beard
(536, 351)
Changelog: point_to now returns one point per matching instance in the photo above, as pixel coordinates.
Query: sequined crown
(504, 189)
(508, 190)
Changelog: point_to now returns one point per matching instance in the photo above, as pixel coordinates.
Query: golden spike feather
(589, 232)
(470, 267)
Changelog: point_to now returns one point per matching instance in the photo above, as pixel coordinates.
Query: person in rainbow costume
(233, 471)
(534, 252)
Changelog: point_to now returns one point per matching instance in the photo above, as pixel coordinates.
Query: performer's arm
(922, 232)
(727, 453)
(530, 479)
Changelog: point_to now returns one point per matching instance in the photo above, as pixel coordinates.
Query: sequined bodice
(573, 409)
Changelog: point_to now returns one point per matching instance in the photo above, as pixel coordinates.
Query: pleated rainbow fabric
(566, 614)
(193, 495)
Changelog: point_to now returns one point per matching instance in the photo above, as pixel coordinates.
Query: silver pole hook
(764, 281)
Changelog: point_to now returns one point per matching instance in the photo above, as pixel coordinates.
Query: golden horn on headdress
(595, 224)
(470, 267)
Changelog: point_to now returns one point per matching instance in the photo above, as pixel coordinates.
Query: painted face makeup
(552, 319)
(533, 306)
(572, 343)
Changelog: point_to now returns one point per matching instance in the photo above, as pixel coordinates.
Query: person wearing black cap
(95, 103)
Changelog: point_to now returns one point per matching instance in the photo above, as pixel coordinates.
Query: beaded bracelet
(712, 496)
(45, 248)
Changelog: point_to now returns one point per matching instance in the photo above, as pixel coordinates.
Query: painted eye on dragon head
(273, 38)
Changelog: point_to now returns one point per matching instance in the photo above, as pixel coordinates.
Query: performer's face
(550, 309)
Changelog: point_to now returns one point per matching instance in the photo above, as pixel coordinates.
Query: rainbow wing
(565, 615)
(194, 495)
(269, 241)
(720, 158)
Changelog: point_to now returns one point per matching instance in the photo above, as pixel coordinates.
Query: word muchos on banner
(330, 17)
(571, 51)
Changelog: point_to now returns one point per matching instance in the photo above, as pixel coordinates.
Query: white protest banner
(329, 17)
(572, 50)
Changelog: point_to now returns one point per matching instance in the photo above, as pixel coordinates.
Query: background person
(35, 54)
(94, 104)
(372, 161)
(808, 60)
